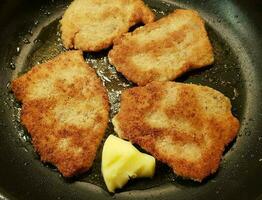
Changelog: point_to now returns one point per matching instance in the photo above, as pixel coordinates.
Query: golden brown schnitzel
(92, 25)
(65, 110)
(185, 126)
(163, 50)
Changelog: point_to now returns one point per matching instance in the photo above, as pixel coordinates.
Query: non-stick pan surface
(30, 35)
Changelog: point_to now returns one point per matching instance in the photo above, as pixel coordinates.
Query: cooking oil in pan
(224, 75)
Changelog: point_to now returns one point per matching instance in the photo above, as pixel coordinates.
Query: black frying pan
(29, 34)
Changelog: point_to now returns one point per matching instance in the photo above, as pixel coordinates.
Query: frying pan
(29, 35)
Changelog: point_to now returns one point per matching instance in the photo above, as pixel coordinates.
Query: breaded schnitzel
(65, 110)
(92, 25)
(183, 125)
(163, 50)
